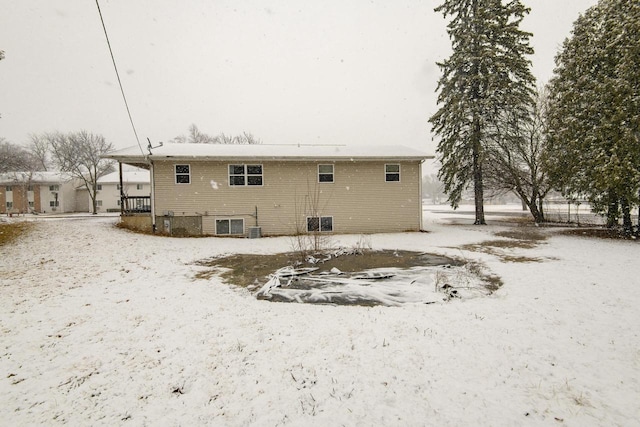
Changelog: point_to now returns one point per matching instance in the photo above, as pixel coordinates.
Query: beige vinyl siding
(359, 199)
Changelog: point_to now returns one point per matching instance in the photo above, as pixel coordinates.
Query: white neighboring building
(135, 183)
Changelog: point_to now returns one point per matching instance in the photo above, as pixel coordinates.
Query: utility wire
(126, 104)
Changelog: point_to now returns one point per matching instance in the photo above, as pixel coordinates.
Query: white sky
(332, 71)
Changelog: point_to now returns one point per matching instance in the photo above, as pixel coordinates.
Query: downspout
(420, 194)
(153, 197)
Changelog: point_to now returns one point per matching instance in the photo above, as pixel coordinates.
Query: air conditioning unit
(255, 232)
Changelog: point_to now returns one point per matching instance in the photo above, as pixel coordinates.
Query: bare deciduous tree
(40, 150)
(14, 158)
(195, 136)
(516, 158)
(80, 154)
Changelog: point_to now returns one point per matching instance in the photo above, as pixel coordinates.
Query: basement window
(230, 226)
(319, 223)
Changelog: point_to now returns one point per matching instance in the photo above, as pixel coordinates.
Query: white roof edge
(264, 152)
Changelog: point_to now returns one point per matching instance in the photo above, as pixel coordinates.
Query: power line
(126, 104)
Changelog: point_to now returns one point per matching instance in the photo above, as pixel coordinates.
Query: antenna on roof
(149, 147)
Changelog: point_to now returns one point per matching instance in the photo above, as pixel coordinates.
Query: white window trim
(333, 173)
(245, 174)
(320, 223)
(229, 220)
(175, 174)
(399, 172)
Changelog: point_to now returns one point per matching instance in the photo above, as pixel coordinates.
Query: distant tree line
(195, 136)
(579, 135)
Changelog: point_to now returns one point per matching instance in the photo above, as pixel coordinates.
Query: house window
(54, 203)
(139, 187)
(118, 187)
(55, 187)
(118, 202)
(30, 188)
(9, 205)
(98, 203)
(183, 174)
(242, 175)
(31, 204)
(319, 223)
(99, 187)
(392, 173)
(230, 226)
(8, 188)
(325, 173)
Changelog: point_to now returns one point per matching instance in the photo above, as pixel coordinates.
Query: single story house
(253, 190)
(37, 192)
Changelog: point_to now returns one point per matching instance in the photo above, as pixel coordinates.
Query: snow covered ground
(100, 326)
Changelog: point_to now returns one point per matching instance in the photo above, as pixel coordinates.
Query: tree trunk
(612, 209)
(627, 225)
(478, 189)
(541, 208)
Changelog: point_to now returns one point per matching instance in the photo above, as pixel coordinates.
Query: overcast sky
(329, 72)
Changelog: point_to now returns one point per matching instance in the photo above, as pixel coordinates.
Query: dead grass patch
(523, 234)
(246, 269)
(9, 232)
(494, 248)
(599, 233)
(520, 238)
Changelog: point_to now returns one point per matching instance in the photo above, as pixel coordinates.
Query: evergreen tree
(594, 115)
(486, 78)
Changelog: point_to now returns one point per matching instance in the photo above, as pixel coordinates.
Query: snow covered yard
(100, 326)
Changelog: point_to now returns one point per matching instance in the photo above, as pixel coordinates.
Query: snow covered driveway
(100, 326)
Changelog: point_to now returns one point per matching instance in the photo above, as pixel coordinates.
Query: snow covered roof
(268, 152)
(35, 177)
(132, 177)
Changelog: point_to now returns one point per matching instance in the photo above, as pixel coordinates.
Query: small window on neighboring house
(9, 205)
(99, 187)
(139, 187)
(392, 173)
(54, 203)
(230, 226)
(31, 204)
(98, 203)
(325, 173)
(8, 188)
(118, 187)
(183, 174)
(319, 223)
(243, 175)
(30, 188)
(54, 188)
(118, 202)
